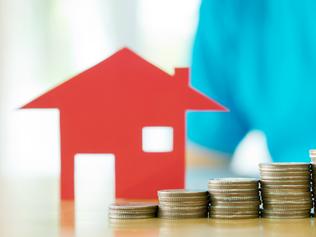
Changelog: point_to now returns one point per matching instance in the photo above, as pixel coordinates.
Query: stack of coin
(179, 204)
(312, 154)
(285, 189)
(234, 198)
(132, 210)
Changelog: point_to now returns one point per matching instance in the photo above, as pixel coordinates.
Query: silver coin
(290, 216)
(237, 216)
(229, 181)
(121, 216)
(285, 174)
(306, 201)
(286, 207)
(236, 203)
(287, 178)
(286, 187)
(284, 182)
(234, 199)
(185, 203)
(183, 199)
(284, 164)
(222, 209)
(133, 206)
(285, 194)
(182, 193)
(234, 194)
(235, 190)
(182, 209)
(191, 216)
(285, 212)
(131, 211)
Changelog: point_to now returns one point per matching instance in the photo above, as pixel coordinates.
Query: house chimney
(182, 74)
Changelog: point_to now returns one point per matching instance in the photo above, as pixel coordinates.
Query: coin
(181, 216)
(283, 182)
(281, 165)
(286, 178)
(182, 193)
(122, 216)
(253, 193)
(296, 174)
(233, 181)
(237, 203)
(287, 207)
(232, 190)
(234, 209)
(285, 190)
(183, 199)
(288, 216)
(180, 203)
(132, 210)
(286, 186)
(234, 198)
(301, 201)
(182, 209)
(184, 203)
(133, 206)
(234, 216)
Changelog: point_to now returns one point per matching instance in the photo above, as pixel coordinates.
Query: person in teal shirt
(257, 58)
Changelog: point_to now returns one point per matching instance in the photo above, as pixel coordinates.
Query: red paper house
(104, 110)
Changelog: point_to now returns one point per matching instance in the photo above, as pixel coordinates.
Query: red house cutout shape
(104, 109)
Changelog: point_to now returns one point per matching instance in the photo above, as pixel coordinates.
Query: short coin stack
(179, 204)
(285, 189)
(132, 211)
(234, 198)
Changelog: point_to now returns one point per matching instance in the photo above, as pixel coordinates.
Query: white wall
(46, 42)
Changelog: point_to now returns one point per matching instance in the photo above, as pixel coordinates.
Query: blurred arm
(213, 73)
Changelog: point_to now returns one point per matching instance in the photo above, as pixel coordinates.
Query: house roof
(127, 76)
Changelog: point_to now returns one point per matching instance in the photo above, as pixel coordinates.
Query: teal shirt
(258, 58)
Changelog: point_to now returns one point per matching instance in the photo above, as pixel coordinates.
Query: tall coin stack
(132, 211)
(312, 154)
(285, 189)
(234, 198)
(179, 204)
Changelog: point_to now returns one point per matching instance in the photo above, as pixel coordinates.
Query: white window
(157, 139)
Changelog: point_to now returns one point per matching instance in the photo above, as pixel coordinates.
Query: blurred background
(44, 43)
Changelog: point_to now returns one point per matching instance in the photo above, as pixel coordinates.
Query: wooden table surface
(31, 208)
